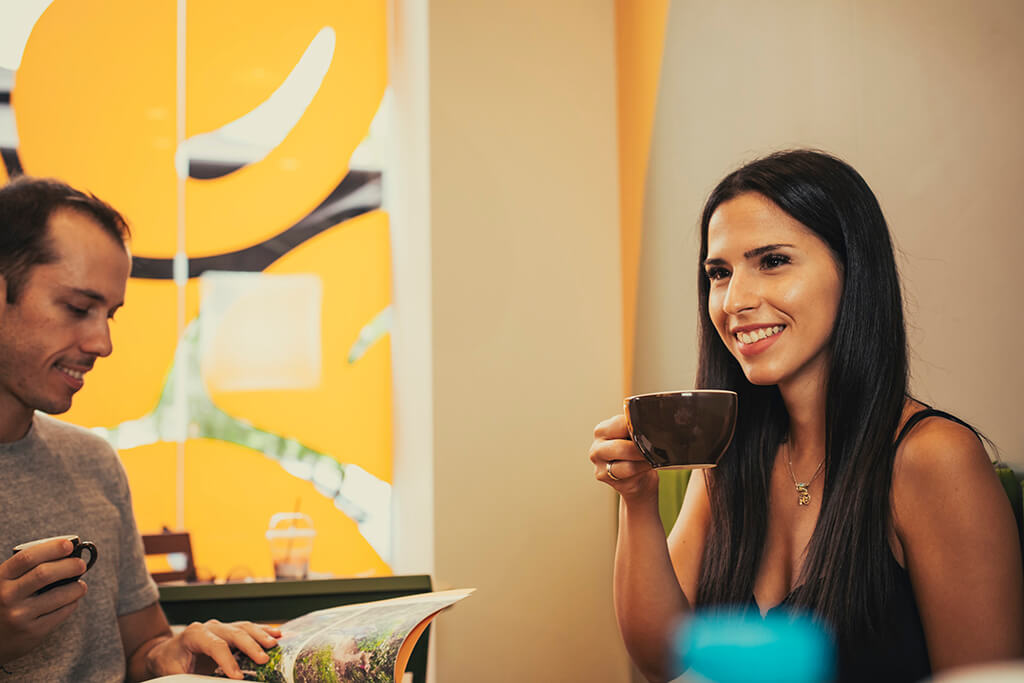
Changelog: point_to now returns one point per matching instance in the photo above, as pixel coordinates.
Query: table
(278, 601)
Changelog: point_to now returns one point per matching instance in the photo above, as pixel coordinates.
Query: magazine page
(361, 643)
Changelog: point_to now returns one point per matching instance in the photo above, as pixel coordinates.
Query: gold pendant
(802, 496)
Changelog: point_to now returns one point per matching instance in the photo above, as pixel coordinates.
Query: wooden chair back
(167, 543)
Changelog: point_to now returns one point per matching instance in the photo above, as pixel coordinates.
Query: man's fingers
(44, 574)
(216, 641)
(243, 636)
(250, 645)
(29, 619)
(200, 639)
(51, 620)
(265, 636)
(23, 562)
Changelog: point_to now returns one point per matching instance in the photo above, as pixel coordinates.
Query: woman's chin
(762, 378)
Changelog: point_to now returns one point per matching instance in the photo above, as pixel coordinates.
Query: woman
(839, 493)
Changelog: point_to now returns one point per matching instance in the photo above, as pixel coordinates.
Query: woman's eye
(774, 261)
(717, 273)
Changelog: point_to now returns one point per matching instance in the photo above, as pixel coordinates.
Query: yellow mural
(289, 398)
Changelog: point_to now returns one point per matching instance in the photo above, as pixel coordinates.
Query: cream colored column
(527, 327)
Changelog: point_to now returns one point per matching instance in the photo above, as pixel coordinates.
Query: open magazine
(368, 642)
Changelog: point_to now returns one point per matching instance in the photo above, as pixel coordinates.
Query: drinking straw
(291, 537)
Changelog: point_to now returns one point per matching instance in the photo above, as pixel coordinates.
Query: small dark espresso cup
(682, 429)
(79, 546)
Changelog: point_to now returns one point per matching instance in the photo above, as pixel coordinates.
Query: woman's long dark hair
(845, 575)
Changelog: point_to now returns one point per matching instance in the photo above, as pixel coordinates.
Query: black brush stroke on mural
(202, 169)
(11, 161)
(333, 210)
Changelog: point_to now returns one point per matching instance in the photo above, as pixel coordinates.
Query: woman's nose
(742, 294)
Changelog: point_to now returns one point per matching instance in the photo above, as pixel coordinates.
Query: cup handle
(91, 547)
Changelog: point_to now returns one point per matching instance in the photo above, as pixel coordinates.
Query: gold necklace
(803, 497)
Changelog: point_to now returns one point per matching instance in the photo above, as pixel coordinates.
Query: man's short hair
(26, 205)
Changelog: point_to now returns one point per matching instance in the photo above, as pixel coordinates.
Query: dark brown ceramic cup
(682, 429)
(78, 547)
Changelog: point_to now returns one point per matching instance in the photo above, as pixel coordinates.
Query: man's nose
(97, 341)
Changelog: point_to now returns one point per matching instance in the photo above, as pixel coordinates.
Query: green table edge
(174, 592)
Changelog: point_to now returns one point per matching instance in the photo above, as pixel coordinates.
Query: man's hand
(27, 618)
(204, 647)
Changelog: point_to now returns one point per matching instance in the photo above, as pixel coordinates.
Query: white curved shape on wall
(17, 18)
(251, 137)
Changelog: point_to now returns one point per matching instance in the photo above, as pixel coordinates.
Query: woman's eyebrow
(748, 254)
(764, 250)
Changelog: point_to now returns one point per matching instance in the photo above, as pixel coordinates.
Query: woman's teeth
(759, 334)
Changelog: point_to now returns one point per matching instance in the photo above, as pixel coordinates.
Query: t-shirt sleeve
(136, 588)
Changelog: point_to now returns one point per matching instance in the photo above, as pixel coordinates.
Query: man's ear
(3, 294)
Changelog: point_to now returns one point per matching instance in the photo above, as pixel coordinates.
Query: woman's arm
(648, 590)
(960, 546)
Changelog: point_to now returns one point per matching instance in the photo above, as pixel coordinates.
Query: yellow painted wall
(95, 102)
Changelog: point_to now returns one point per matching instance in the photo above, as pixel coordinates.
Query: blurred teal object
(743, 647)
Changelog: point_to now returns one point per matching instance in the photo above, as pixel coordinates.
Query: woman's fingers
(606, 449)
(619, 470)
(618, 462)
(612, 428)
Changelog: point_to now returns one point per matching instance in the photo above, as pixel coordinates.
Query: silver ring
(608, 469)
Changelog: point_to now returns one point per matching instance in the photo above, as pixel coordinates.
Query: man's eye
(80, 312)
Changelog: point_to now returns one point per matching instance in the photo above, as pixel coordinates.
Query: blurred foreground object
(743, 647)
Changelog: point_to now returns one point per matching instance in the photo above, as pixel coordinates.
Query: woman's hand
(619, 463)
(193, 649)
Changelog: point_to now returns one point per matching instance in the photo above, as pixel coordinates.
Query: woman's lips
(756, 343)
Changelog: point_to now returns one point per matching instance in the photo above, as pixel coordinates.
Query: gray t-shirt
(61, 479)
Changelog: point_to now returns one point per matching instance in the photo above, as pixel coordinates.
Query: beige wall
(526, 317)
(514, 249)
(925, 100)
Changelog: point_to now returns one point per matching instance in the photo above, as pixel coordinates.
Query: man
(64, 266)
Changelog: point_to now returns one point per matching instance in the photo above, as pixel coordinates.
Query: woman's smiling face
(774, 291)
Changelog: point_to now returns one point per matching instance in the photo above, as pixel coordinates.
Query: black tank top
(899, 653)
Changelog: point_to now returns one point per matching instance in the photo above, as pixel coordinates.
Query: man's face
(51, 336)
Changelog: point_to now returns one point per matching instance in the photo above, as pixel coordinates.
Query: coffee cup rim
(40, 541)
(681, 392)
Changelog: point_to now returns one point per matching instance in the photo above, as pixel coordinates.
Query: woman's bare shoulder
(959, 543)
(938, 448)
(940, 466)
